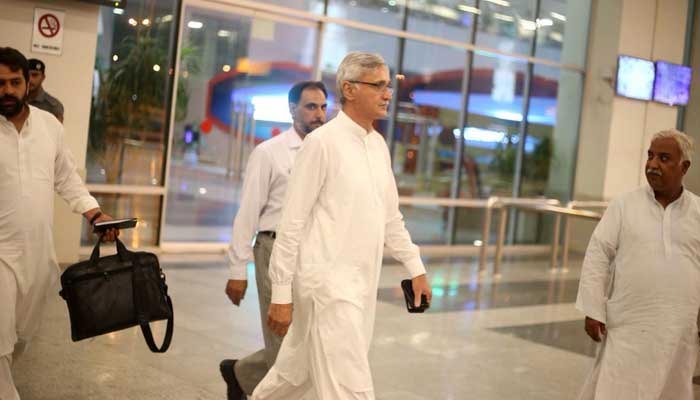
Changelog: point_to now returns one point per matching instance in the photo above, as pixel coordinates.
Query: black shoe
(233, 391)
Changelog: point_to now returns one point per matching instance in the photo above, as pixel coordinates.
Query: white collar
(353, 126)
(292, 138)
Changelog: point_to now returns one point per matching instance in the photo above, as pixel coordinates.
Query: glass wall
(388, 14)
(133, 66)
(339, 40)
(429, 100)
(523, 60)
(235, 73)
(131, 110)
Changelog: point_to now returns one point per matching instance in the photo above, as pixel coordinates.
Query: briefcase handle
(141, 315)
(148, 334)
(121, 251)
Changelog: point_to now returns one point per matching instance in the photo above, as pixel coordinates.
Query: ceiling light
(503, 17)
(469, 9)
(226, 68)
(558, 16)
(544, 22)
(503, 3)
(115, 58)
(133, 22)
(556, 36)
(118, 11)
(146, 22)
(223, 33)
(156, 67)
(528, 25)
(445, 12)
(195, 25)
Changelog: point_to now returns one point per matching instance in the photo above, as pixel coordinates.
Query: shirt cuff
(415, 267)
(281, 294)
(238, 272)
(86, 204)
(594, 310)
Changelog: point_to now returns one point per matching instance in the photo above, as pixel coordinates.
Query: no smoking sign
(49, 25)
(48, 31)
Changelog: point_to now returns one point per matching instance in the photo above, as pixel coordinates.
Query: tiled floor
(518, 337)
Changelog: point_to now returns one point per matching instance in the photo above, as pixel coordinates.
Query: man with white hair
(340, 212)
(640, 284)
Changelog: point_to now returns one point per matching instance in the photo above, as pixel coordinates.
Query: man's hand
(111, 234)
(235, 290)
(595, 329)
(279, 317)
(420, 287)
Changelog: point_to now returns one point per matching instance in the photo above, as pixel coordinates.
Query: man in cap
(37, 95)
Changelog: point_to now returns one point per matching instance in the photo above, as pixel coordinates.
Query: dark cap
(36, 65)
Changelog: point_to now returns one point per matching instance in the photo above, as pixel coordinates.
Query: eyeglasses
(381, 86)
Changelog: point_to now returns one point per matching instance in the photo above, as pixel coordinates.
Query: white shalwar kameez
(33, 164)
(641, 277)
(341, 211)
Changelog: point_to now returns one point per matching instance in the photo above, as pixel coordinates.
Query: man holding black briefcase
(34, 163)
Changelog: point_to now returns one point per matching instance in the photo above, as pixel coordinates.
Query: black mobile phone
(409, 296)
(124, 223)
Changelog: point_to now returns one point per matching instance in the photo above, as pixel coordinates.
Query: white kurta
(340, 212)
(262, 196)
(33, 164)
(641, 276)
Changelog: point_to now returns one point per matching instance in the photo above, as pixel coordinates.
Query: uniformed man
(37, 96)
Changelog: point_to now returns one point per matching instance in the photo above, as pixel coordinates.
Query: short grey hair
(353, 66)
(685, 142)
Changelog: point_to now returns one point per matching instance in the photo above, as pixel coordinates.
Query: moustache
(6, 98)
(654, 171)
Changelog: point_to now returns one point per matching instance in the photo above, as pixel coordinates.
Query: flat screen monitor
(672, 84)
(635, 78)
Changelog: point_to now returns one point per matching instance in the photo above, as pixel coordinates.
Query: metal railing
(504, 205)
(567, 227)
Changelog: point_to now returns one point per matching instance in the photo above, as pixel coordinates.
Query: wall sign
(48, 31)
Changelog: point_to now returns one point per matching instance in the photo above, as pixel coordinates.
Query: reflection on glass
(507, 26)
(128, 120)
(562, 28)
(541, 120)
(449, 19)
(315, 6)
(387, 14)
(552, 135)
(235, 74)
(425, 223)
(146, 208)
(338, 41)
(492, 132)
(424, 145)
(550, 148)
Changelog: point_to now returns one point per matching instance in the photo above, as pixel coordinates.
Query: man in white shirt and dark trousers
(640, 284)
(34, 163)
(340, 214)
(264, 188)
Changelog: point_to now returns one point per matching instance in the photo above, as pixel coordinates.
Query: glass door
(235, 70)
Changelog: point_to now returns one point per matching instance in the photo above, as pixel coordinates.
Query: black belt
(271, 234)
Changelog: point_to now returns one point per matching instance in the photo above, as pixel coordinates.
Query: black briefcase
(107, 294)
